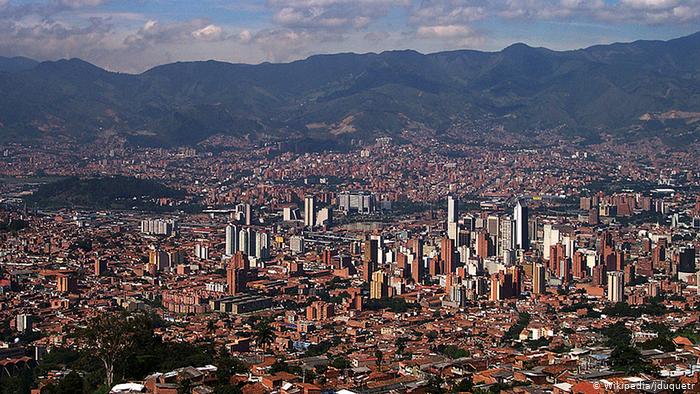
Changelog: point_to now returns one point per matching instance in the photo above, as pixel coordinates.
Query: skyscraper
(538, 279)
(370, 258)
(378, 287)
(522, 238)
(231, 240)
(447, 254)
(452, 209)
(237, 273)
(616, 286)
(309, 211)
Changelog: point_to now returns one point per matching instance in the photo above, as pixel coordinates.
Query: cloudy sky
(134, 35)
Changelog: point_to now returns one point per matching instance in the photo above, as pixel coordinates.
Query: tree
(341, 363)
(264, 334)
(380, 358)
(110, 337)
(401, 345)
(70, 384)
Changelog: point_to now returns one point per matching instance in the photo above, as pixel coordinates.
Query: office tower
(66, 283)
(616, 286)
(417, 248)
(452, 209)
(158, 227)
(378, 286)
(453, 231)
(325, 217)
(159, 259)
(493, 225)
(240, 261)
(236, 274)
(309, 211)
(319, 311)
(483, 245)
(23, 322)
(296, 244)
(247, 241)
(505, 240)
(248, 214)
(556, 254)
(262, 245)
(100, 267)
(579, 268)
(565, 270)
(538, 279)
(231, 240)
(370, 258)
(417, 270)
(357, 202)
(496, 289)
(447, 254)
(175, 257)
(290, 214)
(201, 251)
(520, 217)
(593, 217)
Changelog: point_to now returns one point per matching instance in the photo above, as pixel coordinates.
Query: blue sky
(134, 35)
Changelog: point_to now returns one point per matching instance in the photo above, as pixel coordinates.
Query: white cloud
(208, 32)
(79, 3)
(337, 15)
(449, 31)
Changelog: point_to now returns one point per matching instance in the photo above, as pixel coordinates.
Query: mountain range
(638, 89)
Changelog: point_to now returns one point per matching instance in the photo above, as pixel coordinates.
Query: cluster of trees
(625, 356)
(13, 225)
(109, 192)
(515, 330)
(395, 304)
(115, 347)
(452, 351)
(622, 309)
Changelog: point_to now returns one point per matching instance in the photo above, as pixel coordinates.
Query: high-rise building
(616, 286)
(483, 245)
(453, 231)
(262, 245)
(447, 254)
(538, 279)
(66, 282)
(505, 240)
(359, 202)
(247, 241)
(310, 211)
(231, 240)
(158, 227)
(417, 270)
(237, 273)
(378, 287)
(100, 267)
(23, 322)
(452, 209)
(325, 217)
(370, 258)
(296, 244)
(520, 217)
(495, 289)
(248, 214)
